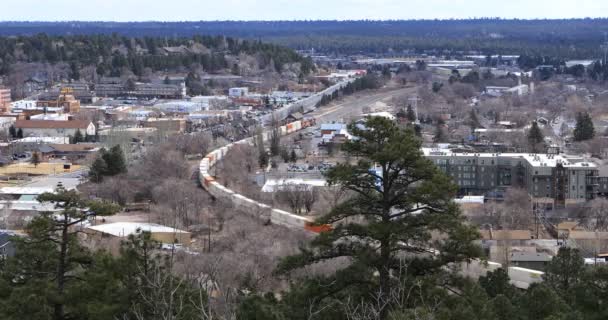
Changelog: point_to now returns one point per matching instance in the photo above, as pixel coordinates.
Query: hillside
(569, 38)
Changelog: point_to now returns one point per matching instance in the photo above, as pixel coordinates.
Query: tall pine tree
(584, 129)
(398, 200)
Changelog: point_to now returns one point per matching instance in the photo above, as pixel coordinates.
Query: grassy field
(44, 168)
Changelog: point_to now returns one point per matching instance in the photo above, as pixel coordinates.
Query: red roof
(52, 124)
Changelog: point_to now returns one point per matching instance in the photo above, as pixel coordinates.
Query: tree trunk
(61, 267)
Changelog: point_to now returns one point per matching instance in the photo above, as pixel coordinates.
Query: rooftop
(124, 229)
(534, 159)
(52, 124)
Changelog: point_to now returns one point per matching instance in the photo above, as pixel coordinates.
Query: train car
(310, 226)
(297, 126)
(287, 219)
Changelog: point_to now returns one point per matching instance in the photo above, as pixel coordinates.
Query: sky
(195, 10)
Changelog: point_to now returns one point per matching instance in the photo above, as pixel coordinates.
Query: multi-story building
(66, 101)
(141, 90)
(554, 180)
(5, 99)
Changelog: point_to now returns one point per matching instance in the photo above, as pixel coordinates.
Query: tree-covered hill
(112, 54)
(569, 38)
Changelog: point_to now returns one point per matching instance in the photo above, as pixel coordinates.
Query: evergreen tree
(411, 115)
(115, 160)
(48, 262)
(12, 131)
(399, 198)
(584, 129)
(565, 270)
(535, 138)
(20, 133)
(292, 156)
(98, 170)
(78, 137)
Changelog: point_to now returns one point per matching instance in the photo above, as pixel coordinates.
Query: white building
(51, 128)
(238, 92)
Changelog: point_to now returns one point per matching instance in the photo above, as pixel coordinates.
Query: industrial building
(554, 180)
(141, 90)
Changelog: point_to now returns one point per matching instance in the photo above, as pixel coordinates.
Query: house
(69, 151)
(29, 144)
(160, 233)
(238, 92)
(530, 260)
(51, 128)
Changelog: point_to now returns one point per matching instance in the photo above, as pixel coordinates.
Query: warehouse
(160, 233)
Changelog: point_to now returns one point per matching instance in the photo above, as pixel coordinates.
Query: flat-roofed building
(553, 180)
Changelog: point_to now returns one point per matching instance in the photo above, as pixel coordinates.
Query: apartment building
(141, 90)
(555, 181)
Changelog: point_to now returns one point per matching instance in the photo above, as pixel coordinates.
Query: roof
(530, 257)
(296, 115)
(333, 126)
(534, 159)
(586, 235)
(75, 147)
(506, 234)
(52, 124)
(567, 225)
(124, 229)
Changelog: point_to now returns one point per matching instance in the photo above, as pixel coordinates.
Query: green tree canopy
(584, 129)
(399, 199)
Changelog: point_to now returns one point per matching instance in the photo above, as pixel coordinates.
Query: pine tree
(115, 160)
(411, 115)
(98, 170)
(12, 132)
(292, 156)
(49, 261)
(399, 198)
(584, 129)
(20, 133)
(78, 137)
(535, 138)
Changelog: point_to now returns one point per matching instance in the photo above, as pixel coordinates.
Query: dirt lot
(42, 169)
